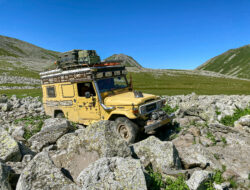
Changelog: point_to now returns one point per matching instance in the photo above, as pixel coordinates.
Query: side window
(68, 91)
(51, 92)
(85, 87)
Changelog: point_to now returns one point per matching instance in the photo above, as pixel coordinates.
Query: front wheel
(127, 129)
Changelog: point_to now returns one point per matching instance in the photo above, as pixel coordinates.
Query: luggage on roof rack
(70, 57)
(88, 57)
(78, 58)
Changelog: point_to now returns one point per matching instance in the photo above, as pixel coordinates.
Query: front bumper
(158, 123)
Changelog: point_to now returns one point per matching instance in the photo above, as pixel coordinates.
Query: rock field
(37, 152)
(27, 83)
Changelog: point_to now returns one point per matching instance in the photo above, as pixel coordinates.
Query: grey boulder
(9, 149)
(113, 173)
(51, 131)
(198, 179)
(197, 155)
(243, 121)
(4, 177)
(77, 150)
(161, 154)
(41, 173)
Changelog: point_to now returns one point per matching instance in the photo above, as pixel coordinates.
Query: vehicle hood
(127, 99)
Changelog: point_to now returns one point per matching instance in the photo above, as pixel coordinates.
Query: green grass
(21, 72)
(229, 120)
(227, 61)
(20, 93)
(157, 182)
(51, 53)
(12, 70)
(36, 123)
(212, 138)
(15, 84)
(16, 48)
(186, 84)
(168, 109)
(3, 52)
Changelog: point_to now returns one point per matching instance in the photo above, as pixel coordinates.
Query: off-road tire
(126, 129)
(59, 115)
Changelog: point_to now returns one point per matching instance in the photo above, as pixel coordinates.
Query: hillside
(126, 60)
(27, 55)
(234, 62)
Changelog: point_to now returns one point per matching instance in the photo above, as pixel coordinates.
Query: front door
(87, 103)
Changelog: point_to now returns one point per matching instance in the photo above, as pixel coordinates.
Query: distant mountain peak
(127, 61)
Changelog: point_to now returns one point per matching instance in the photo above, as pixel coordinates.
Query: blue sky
(171, 34)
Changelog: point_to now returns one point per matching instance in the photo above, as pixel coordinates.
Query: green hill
(234, 62)
(11, 47)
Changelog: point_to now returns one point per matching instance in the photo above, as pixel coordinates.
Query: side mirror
(87, 95)
(130, 84)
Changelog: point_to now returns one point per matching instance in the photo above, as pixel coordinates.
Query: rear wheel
(60, 115)
(127, 129)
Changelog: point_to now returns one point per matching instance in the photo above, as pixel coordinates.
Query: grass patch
(12, 70)
(20, 93)
(3, 52)
(185, 84)
(224, 140)
(217, 178)
(16, 48)
(229, 120)
(51, 53)
(16, 84)
(36, 123)
(157, 182)
(212, 138)
(168, 109)
(21, 72)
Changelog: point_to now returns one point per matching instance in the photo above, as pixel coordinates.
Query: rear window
(51, 92)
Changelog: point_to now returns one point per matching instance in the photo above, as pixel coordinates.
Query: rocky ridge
(45, 153)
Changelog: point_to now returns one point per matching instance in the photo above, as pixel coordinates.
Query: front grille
(150, 107)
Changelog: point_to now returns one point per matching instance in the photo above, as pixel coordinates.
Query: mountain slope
(234, 62)
(126, 60)
(12, 47)
(24, 55)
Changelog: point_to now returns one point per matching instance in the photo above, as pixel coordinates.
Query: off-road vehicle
(86, 93)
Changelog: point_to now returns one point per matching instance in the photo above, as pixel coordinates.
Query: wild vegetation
(186, 84)
(229, 120)
(234, 62)
(16, 69)
(158, 182)
(33, 124)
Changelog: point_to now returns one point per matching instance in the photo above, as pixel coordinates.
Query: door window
(85, 87)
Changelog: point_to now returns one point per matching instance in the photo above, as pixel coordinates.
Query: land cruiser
(87, 94)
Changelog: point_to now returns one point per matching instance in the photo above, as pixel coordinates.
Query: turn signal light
(135, 111)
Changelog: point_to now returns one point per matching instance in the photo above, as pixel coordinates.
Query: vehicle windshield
(109, 84)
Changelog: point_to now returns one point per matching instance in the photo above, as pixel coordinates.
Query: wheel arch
(57, 111)
(114, 116)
